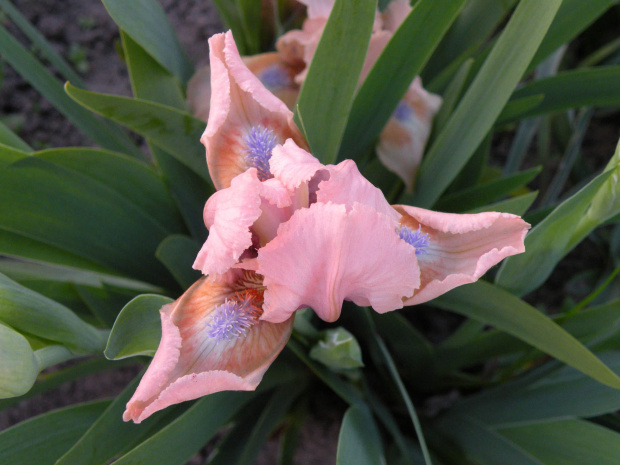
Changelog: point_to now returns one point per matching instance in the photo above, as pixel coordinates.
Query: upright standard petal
(402, 141)
(325, 254)
(454, 249)
(212, 340)
(231, 215)
(245, 120)
(347, 186)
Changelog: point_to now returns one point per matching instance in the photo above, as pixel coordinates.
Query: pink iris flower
(287, 232)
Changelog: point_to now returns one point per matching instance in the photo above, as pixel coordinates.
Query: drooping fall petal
(402, 141)
(195, 358)
(245, 120)
(456, 249)
(230, 213)
(325, 254)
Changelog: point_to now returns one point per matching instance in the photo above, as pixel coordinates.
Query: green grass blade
(150, 81)
(485, 98)
(37, 75)
(390, 77)
(9, 139)
(177, 253)
(569, 442)
(573, 17)
(42, 45)
(515, 205)
(189, 432)
(175, 131)
(482, 194)
(327, 93)
(571, 89)
(109, 435)
(30, 312)
(548, 242)
(147, 24)
(43, 439)
(70, 211)
(472, 28)
(494, 306)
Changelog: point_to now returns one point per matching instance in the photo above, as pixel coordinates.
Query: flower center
(274, 77)
(260, 142)
(235, 316)
(403, 112)
(417, 238)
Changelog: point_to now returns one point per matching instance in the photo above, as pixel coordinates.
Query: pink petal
(402, 141)
(189, 363)
(230, 213)
(325, 254)
(292, 165)
(318, 8)
(199, 93)
(395, 13)
(461, 247)
(239, 103)
(347, 186)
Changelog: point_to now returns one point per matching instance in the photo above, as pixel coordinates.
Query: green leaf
(60, 376)
(174, 131)
(546, 244)
(480, 444)
(409, 347)
(571, 89)
(109, 435)
(563, 393)
(494, 306)
(48, 203)
(515, 205)
(337, 349)
(254, 435)
(452, 95)
(178, 253)
(43, 439)
(146, 23)
(137, 329)
(40, 43)
(189, 432)
(18, 366)
(29, 312)
(137, 182)
(230, 16)
(480, 195)
(485, 98)
(473, 27)
(10, 139)
(359, 442)
(573, 17)
(152, 82)
(392, 74)
(568, 442)
(250, 13)
(327, 93)
(37, 75)
(104, 303)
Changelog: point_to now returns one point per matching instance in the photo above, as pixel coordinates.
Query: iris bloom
(287, 232)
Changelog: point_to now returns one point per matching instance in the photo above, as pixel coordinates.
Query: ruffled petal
(240, 106)
(230, 215)
(461, 248)
(190, 363)
(402, 141)
(325, 254)
(346, 186)
(292, 165)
